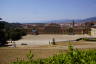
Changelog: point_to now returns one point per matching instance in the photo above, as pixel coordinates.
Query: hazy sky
(38, 10)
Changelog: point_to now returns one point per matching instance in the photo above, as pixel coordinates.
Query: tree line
(10, 31)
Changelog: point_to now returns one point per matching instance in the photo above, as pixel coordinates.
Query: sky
(24, 11)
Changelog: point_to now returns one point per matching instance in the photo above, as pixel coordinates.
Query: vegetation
(86, 39)
(79, 39)
(73, 56)
(16, 34)
(89, 39)
(70, 31)
(10, 31)
(2, 34)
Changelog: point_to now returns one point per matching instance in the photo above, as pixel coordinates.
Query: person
(14, 44)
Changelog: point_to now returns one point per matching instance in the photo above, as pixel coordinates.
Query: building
(93, 32)
(54, 28)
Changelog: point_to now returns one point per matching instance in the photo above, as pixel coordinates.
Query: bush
(73, 56)
(89, 39)
(79, 39)
(86, 39)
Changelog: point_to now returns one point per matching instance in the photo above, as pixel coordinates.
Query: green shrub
(79, 39)
(89, 39)
(73, 56)
(86, 39)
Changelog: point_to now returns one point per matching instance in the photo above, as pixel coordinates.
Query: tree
(73, 23)
(0, 18)
(16, 34)
(89, 24)
(9, 31)
(2, 34)
(71, 31)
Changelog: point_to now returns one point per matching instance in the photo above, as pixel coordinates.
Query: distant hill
(65, 21)
(89, 19)
(76, 20)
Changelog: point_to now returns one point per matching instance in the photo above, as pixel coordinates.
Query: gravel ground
(35, 40)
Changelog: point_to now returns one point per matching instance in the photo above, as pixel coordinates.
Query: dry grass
(9, 55)
(73, 43)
